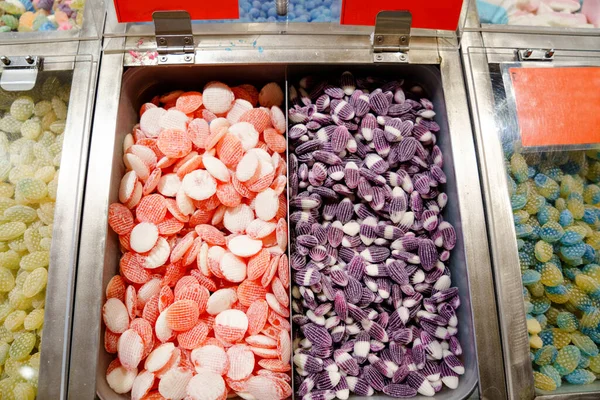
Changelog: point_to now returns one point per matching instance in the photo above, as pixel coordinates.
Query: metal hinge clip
(391, 38)
(174, 38)
(19, 73)
(535, 54)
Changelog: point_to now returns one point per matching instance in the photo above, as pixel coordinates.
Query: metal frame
(476, 59)
(474, 25)
(315, 48)
(82, 59)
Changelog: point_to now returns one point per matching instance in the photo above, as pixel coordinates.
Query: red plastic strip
(141, 10)
(426, 14)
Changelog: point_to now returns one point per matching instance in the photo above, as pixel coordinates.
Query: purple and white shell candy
(373, 303)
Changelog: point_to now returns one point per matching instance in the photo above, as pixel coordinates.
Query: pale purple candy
(427, 254)
(359, 386)
(379, 102)
(346, 362)
(348, 83)
(417, 381)
(399, 390)
(307, 277)
(455, 346)
(432, 371)
(319, 395)
(373, 377)
(453, 362)
(322, 102)
(342, 109)
(308, 362)
(307, 384)
(334, 92)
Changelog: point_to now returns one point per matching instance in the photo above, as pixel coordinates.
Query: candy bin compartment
(537, 280)
(139, 86)
(43, 147)
(429, 78)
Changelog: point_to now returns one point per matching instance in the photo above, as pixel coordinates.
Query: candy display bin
(88, 25)
(135, 68)
(491, 61)
(47, 99)
(580, 18)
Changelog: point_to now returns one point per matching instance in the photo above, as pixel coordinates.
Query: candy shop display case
(31, 23)
(568, 17)
(138, 64)
(47, 100)
(492, 60)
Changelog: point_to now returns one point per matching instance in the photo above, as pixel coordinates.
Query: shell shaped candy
(218, 97)
(210, 357)
(206, 385)
(270, 95)
(241, 362)
(231, 325)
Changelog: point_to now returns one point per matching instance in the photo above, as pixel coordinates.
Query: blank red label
(426, 14)
(557, 106)
(141, 10)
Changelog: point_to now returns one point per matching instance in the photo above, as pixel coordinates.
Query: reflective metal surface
(479, 51)
(80, 62)
(98, 254)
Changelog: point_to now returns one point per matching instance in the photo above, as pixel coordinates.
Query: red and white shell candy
(115, 315)
(241, 362)
(233, 267)
(143, 237)
(244, 246)
(267, 204)
(142, 385)
(206, 385)
(159, 357)
(130, 348)
(246, 133)
(200, 301)
(174, 382)
(217, 97)
(119, 378)
(221, 300)
(231, 325)
(237, 219)
(210, 357)
(271, 95)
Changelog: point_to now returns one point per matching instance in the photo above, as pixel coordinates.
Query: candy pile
(40, 15)
(554, 13)
(374, 300)
(201, 305)
(31, 137)
(555, 199)
(298, 11)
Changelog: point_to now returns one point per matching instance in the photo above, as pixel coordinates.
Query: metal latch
(535, 54)
(174, 38)
(391, 38)
(19, 73)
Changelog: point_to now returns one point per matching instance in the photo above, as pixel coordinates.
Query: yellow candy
(595, 364)
(561, 339)
(543, 251)
(533, 326)
(535, 342)
(543, 382)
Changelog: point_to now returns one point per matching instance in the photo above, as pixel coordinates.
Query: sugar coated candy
(371, 284)
(557, 229)
(31, 135)
(200, 307)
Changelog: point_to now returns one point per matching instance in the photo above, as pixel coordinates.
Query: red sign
(557, 106)
(141, 10)
(426, 14)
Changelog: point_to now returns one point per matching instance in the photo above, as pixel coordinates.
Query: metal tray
(429, 77)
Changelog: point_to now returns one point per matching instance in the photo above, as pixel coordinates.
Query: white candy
(142, 385)
(215, 167)
(115, 315)
(267, 204)
(244, 246)
(161, 328)
(174, 382)
(143, 237)
(206, 385)
(246, 133)
(130, 349)
(159, 254)
(233, 267)
(184, 203)
(212, 358)
(173, 119)
(221, 300)
(121, 379)
(259, 229)
(127, 186)
(169, 185)
(246, 167)
(199, 185)
(159, 357)
(237, 219)
(135, 163)
(150, 121)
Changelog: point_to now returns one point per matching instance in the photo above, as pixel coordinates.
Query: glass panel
(554, 195)
(34, 124)
(50, 20)
(571, 16)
